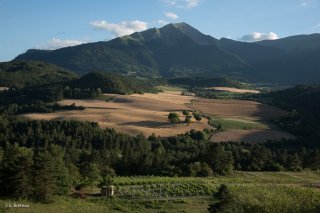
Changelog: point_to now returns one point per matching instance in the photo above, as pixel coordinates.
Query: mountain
(298, 43)
(173, 50)
(31, 73)
(179, 50)
(290, 60)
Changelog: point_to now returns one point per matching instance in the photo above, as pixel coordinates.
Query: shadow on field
(104, 108)
(148, 124)
(122, 100)
(267, 112)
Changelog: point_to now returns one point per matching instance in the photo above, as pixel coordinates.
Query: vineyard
(265, 191)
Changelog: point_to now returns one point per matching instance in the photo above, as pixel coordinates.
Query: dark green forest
(115, 83)
(21, 74)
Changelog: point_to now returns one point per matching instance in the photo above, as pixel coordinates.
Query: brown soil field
(237, 109)
(230, 89)
(148, 113)
(134, 114)
(3, 88)
(257, 136)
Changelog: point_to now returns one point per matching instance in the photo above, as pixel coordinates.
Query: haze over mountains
(179, 50)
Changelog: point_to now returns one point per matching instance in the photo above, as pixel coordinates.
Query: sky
(52, 24)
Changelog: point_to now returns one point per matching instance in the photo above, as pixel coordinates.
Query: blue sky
(51, 24)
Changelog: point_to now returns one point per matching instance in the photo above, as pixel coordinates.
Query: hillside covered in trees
(114, 83)
(303, 103)
(31, 73)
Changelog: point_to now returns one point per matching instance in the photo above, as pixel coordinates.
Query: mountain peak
(173, 32)
(180, 25)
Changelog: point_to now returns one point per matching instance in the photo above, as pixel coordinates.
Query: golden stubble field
(230, 89)
(132, 114)
(247, 111)
(148, 113)
(237, 109)
(3, 88)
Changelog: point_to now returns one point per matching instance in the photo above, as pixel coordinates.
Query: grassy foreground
(265, 191)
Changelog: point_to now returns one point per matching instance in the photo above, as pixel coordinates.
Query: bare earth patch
(258, 136)
(237, 109)
(3, 88)
(230, 89)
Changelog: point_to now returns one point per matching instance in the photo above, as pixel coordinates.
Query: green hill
(113, 83)
(27, 73)
(303, 103)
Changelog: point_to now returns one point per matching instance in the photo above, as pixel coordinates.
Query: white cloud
(162, 22)
(304, 3)
(317, 26)
(307, 3)
(120, 29)
(56, 43)
(192, 3)
(169, 2)
(256, 36)
(172, 16)
(181, 3)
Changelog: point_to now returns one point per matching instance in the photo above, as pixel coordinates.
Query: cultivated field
(133, 114)
(242, 120)
(249, 135)
(237, 109)
(230, 89)
(148, 113)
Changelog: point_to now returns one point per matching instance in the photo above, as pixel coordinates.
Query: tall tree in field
(15, 172)
(197, 116)
(50, 174)
(221, 161)
(89, 170)
(93, 175)
(174, 118)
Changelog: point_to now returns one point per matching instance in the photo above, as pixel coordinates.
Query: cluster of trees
(38, 107)
(78, 93)
(115, 83)
(175, 118)
(46, 94)
(40, 99)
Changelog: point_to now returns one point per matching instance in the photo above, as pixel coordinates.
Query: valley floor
(147, 114)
